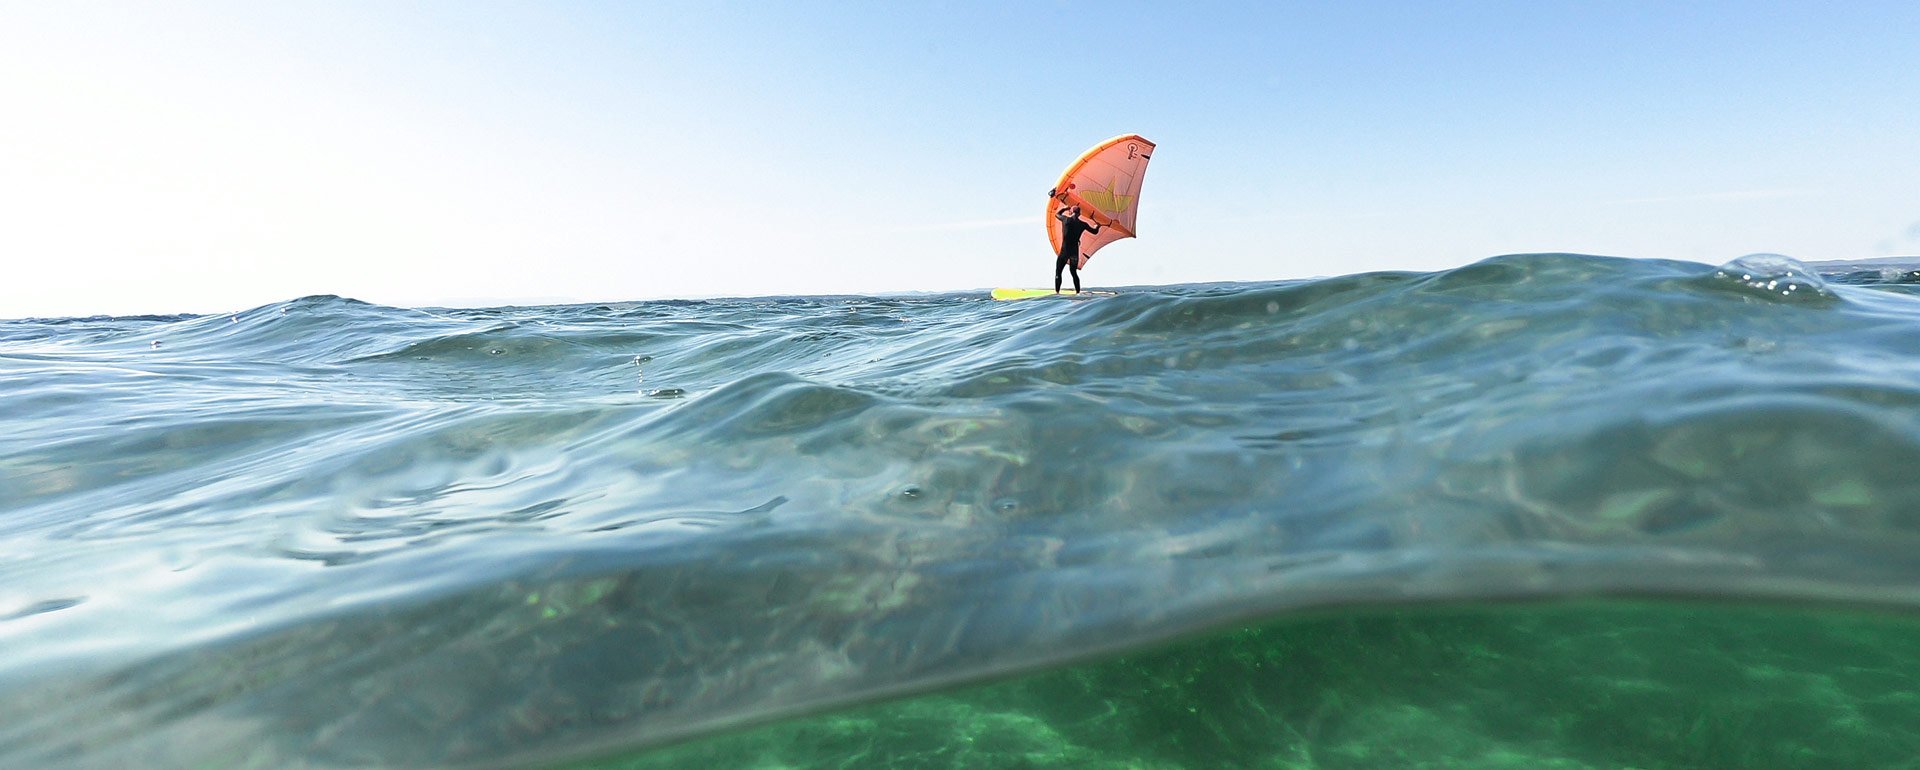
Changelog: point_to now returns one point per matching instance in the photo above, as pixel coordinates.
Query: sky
(205, 157)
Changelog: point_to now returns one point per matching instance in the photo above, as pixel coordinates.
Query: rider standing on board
(1071, 226)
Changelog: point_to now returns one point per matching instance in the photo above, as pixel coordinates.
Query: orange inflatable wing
(1105, 183)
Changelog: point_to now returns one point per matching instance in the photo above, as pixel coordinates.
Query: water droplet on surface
(910, 493)
(1773, 274)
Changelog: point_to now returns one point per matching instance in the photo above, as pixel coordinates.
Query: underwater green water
(1579, 685)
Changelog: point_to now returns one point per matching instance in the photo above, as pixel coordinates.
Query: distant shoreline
(1909, 262)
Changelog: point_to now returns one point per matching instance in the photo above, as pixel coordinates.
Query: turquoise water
(1540, 511)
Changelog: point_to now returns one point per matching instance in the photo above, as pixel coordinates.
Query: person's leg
(1058, 265)
(1076, 275)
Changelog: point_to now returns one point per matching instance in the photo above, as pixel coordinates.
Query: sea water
(1541, 511)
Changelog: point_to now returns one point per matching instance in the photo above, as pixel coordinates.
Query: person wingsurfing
(1071, 226)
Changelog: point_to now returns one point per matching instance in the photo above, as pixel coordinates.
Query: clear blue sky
(207, 157)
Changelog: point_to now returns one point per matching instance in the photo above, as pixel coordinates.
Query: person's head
(1074, 209)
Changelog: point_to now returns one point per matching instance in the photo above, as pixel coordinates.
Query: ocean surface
(1541, 511)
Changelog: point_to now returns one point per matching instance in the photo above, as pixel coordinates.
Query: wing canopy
(1105, 183)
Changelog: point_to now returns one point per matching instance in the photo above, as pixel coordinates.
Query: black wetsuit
(1070, 230)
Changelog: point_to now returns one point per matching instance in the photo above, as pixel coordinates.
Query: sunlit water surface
(1543, 511)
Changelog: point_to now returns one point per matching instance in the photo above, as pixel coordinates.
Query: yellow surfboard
(1031, 293)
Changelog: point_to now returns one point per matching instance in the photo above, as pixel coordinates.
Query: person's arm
(1093, 227)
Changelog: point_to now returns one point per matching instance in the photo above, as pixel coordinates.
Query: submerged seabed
(1569, 686)
(1171, 527)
